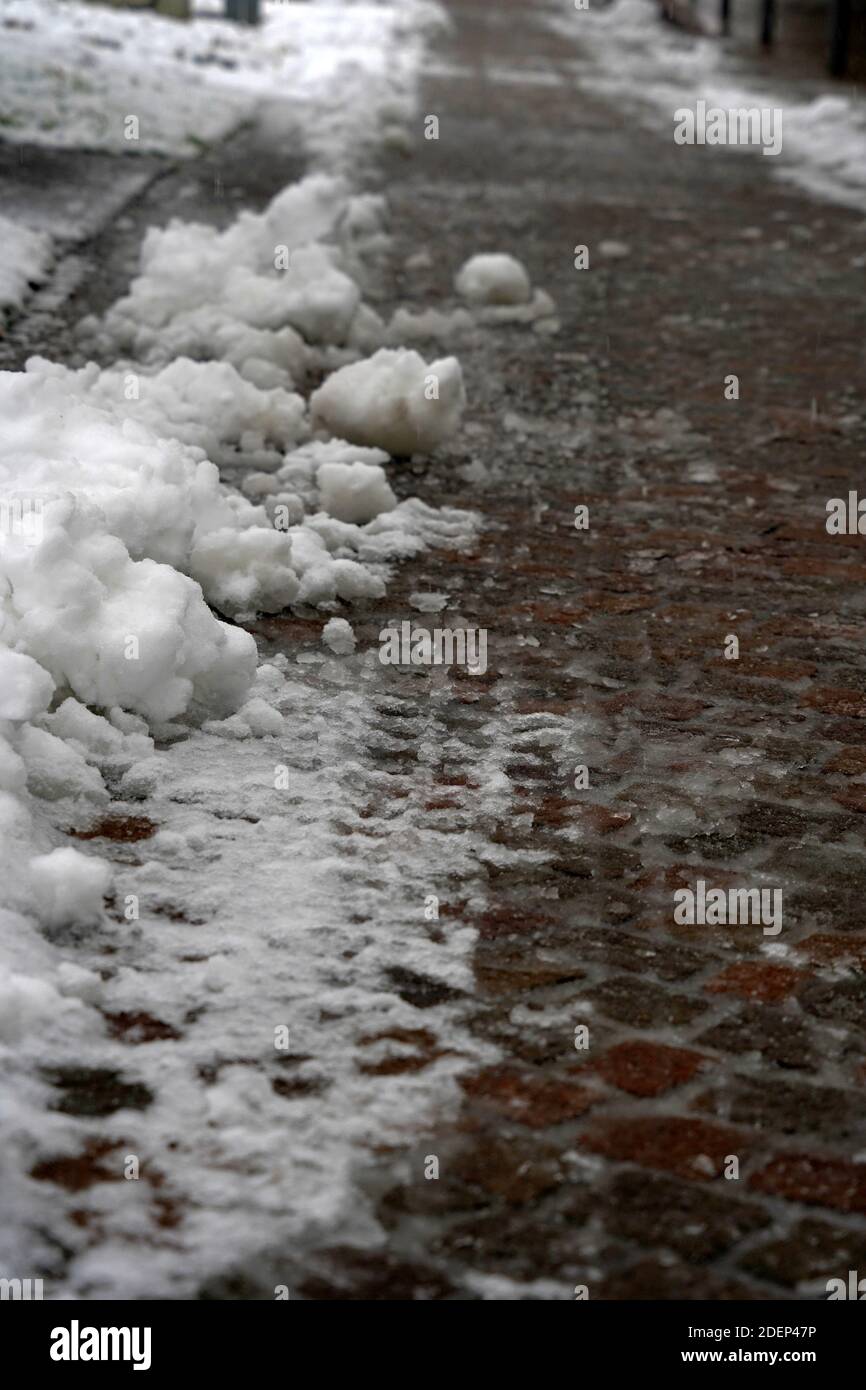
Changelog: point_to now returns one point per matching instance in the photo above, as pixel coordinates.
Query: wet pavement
(603, 1158)
(610, 1167)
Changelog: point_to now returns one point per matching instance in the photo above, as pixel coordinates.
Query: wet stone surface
(607, 1166)
(628, 1059)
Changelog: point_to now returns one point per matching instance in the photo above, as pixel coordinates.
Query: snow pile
(393, 401)
(25, 259)
(628, 56)
(205, 76)
(112, 492)
(251, 294)
(206, 404)
(493, 279)
(118, 539)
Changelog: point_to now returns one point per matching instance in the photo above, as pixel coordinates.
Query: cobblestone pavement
(607, 1167)
(610, 1166)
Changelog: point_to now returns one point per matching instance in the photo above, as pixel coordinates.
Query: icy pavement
(389, 1000)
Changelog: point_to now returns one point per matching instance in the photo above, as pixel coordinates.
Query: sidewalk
(582, 1069)
(604, 1167)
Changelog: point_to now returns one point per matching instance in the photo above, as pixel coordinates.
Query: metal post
(243, 11)
(768, 21)
(726, 16)
(840, 29)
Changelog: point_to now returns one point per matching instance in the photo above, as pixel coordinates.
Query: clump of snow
(25, 1003)
(411, 326)
(158, 499)
(69, 886)
(253, 293)
(25, 259)
(493, 279)
(539, 309)
(338, 635)
(430, 602)
(354, 491)
(394, 401)
(25, 688)
(208, 404)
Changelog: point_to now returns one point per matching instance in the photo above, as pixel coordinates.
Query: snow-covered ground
(130, 697)
(625, 54)
(84, 76)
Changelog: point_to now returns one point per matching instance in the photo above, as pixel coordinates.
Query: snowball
(354, 491)
(493, 279)
(68, 887)
(338, 635)
(25, 687)
(261, 718)
(392, 400)
(25, 1003)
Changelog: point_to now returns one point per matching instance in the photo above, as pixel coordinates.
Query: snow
(68, 887)
(628, 56)
(84, 76)
(394, 401)
(614, 250)
(208, 404)
(71, 74)
(354, 491)
(151, 505)
(208, 293)
(25, 688)
(338, 635)
(493, 279)
(25, 259)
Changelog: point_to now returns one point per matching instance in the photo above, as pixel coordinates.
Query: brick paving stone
(825, 949)
(786, 1108)
(780, 1038)
(813, 1251)
(689, 1148)
(842, 1001)
(644, 1068)
(642, 1004)
(657, 1211)
(528, 1098)
(757, 980)
(816, 1180)
(653, 1279)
